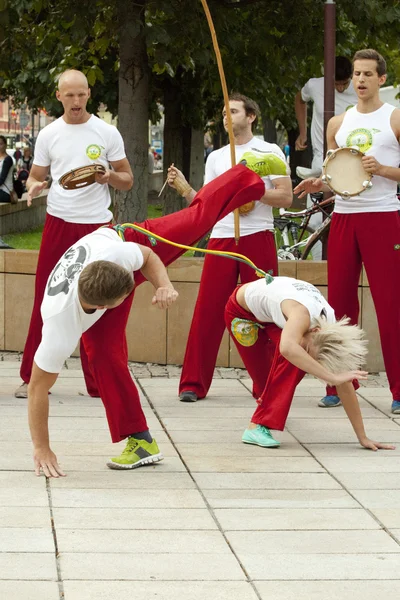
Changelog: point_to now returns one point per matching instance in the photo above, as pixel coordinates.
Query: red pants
(371, 239)
(218, 280)
(105, 342)
(274, 378)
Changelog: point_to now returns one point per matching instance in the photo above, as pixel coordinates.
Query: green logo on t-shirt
(93, 151)
(363, 138)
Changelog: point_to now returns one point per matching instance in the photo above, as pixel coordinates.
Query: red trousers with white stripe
(372, 239)
(274, 378)
(105, 342)
(219, 278)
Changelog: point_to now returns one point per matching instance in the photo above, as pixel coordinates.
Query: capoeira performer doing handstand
(283, 330)
(89, 295)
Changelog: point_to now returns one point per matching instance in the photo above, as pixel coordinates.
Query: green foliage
(269, 49)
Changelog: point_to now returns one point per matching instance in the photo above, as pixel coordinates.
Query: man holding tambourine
(77, 139)
(372, 129)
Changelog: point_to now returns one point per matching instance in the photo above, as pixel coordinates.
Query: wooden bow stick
(226, 102)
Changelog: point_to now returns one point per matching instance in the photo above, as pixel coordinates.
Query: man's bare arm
(281, 196)
(120, 178)
(38, 413)
(300, 108)
(156, 273)
(296, 326)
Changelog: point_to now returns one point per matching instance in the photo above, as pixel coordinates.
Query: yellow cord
(258, 271)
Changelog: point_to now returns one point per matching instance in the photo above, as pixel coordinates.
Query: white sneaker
(22, 391)
(305, 173)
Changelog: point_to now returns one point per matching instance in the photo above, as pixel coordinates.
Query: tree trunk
(173, 146)
(133, 112)
(196, 173)
(269, 130)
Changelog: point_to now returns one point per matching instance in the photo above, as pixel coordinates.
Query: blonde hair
(339, 346)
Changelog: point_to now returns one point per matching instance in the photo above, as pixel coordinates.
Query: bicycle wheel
(320, 235)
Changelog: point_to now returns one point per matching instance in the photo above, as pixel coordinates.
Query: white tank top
(373, 134)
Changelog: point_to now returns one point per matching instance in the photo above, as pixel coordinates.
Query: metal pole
(329, 76)
(329, 63)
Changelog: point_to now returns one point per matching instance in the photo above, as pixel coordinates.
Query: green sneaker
(260, 436)
(264, 163)
(136, 454)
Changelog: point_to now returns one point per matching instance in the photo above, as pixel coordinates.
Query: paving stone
(133, 518)
(271, 464)
(268, 498)
(28, 565)
(104, 498)
(152, 477)
(158, 590)
(150, 541)
(328, 590)
(326, 566)
(33, 539)
(32, 590)
(311, 542)
(35, 517)
(266, 481)
(300, 518)
(168, 567)
(158, 371)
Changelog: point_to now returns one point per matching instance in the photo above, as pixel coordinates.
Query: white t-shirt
(373, 134)
(64, 319)
(63, 147)
(264, 300)
(261, 217)
(313, 91)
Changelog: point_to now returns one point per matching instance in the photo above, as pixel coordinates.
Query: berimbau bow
(226, 103)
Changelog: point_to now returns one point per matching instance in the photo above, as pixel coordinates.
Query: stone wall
(165, 332)
(15, 218)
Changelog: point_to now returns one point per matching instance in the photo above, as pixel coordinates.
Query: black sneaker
(188, 396)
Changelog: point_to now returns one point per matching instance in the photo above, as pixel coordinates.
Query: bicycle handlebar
(307, 211)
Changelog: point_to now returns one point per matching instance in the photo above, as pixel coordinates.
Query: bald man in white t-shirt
(74, 140)
(284, 328)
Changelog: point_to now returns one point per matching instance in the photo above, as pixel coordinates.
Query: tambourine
(81, 176)
(344, 173)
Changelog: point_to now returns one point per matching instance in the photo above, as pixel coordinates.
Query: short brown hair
(370, 54)
(103, 282)
(250, 106)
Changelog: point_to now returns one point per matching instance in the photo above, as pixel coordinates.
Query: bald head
(73, 92)
(72, 77)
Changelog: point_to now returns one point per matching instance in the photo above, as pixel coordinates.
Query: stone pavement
(216, 520)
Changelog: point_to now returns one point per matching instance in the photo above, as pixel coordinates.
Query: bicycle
(292, 230)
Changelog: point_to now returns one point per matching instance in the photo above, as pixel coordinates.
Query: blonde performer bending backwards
(283, 330)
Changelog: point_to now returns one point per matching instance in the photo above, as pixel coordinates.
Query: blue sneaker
(329, 401)
(396, 407)
(260, 436)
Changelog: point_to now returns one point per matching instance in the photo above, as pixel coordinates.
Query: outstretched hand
(45, 460)
(370, 445)
(35, 190)
(339, 378)
(308, 186)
